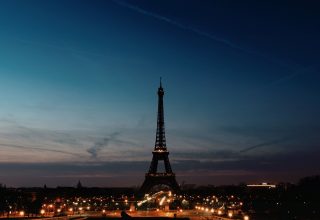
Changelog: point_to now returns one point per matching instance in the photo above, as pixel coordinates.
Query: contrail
(40, 149)
(207, 35)
(262, 145)
(182, 26)
(290, 76)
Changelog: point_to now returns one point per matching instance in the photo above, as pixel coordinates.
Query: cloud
(27, 144)
(208, 155)
(284, 137)
(97, 146)
(253, 131)
(262, 145)
(40, 149)
(21, 143)
(275, 167)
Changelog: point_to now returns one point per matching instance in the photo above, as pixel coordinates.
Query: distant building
(79, 185)
(262, 185)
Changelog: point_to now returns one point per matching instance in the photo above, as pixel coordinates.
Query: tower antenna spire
(160, 82)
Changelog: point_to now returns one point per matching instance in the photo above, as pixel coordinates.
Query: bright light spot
(212, 210)
(230, 214)
(58, 210)
(162, 200)
(21, 213)
(219, 212)
(42, 211)
(246, 217)
(70, 209)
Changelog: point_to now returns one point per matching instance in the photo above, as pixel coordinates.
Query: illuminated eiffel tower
(160, 153)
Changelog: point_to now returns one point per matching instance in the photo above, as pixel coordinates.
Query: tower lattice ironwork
(160, 153)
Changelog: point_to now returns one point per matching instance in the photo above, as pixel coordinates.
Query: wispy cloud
(21, 143)
(126, 173)
(97, 146)
(208, 155)
(262, 145)
(283, 137)
(39, 149)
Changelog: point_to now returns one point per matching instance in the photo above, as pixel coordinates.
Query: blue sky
(79, 80)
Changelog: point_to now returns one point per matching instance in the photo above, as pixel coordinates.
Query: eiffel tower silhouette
(160, 153)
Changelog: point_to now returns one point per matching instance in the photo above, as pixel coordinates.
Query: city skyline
(79, 81)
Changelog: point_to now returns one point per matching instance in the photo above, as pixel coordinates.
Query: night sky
(79, 81)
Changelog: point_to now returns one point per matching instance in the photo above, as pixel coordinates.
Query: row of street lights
(219, 212)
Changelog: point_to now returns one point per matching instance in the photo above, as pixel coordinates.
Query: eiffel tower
(160, 153)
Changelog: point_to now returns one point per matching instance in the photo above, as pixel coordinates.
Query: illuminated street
(192, 214)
